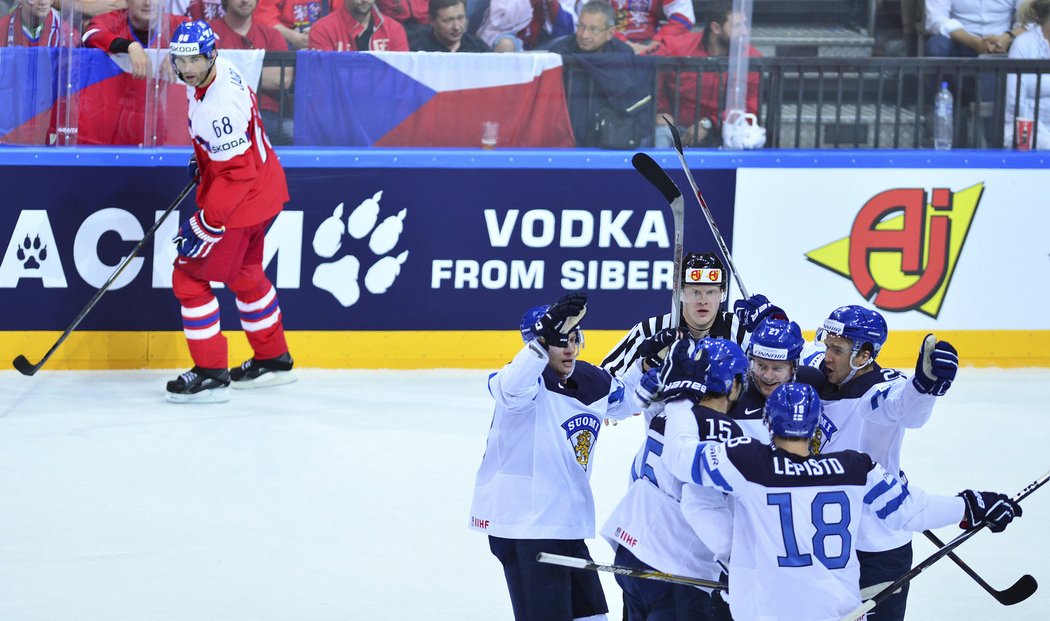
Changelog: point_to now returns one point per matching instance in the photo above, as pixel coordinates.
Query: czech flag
(103, 104)
(429, 99)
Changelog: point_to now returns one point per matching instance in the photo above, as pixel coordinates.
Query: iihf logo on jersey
(582, 432)
(340, 278)
(902, 250)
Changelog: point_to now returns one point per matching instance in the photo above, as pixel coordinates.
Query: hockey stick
(707, 210)
(1013, 594)
(656, 176)
(632, 572)
(22, 363)
(946, 549)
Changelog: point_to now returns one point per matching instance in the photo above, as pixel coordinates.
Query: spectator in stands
(639, 22)
(608, 88)
(506, 43)
(968, 28)
(294, 18)
(237, 31)
(34, 23)
(538, 23)
(411, 14)
(700, 122)
(128, 31)
(594, 33)
(1032, 43)
(91, 8)
(359, 27)
(206, 10)
(447, 31)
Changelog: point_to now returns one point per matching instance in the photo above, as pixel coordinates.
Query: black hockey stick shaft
(649, 169)
(631, 572)
(22, 363)
(705, 209)
(1016, 593)
(873, 601)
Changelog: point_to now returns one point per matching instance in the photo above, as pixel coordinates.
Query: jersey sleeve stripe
(713, 474)
(878, 490)
(894, 504)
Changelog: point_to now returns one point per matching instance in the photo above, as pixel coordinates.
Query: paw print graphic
(31, 253)
(341, 277)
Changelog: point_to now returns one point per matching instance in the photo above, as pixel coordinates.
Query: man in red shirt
(34, 23)
(413, 15)
(294, 18)
(700, 122)
(359, 27)
(242, 189)
(237, 31)
(118, 114)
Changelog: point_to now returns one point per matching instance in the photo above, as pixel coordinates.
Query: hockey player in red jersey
(241, 190)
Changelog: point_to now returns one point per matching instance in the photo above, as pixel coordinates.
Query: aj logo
(902, 250)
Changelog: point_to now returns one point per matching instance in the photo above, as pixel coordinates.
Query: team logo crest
(903, 249)
(582, 432)
(825, 430)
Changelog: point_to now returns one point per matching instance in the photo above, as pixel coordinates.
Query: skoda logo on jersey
(582, 432)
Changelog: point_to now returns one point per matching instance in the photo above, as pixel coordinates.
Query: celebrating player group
(772, 474)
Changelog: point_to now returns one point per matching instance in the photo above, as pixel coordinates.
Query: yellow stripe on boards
(483, 349)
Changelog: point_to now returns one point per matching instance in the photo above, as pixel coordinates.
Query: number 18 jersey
(796, 520)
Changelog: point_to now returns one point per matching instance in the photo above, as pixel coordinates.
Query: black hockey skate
(200, 385)
(257, 373)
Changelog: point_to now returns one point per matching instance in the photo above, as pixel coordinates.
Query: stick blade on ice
(23, 366)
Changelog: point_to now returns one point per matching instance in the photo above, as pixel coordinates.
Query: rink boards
(417, 258)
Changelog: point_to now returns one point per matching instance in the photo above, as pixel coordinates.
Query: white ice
(346, 495)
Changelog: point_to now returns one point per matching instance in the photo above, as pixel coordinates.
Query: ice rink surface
(345, 496)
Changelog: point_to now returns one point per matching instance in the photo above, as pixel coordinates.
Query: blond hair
(1034, 12)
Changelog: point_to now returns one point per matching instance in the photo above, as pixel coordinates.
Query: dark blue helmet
(776, 339)
(726, 362)
(192, 38)
(860, 325)
(793, 411)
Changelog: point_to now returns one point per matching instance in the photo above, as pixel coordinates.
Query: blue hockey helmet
(191, 39)
(528, 324)
(793, 411)
(726, 362)
(776, 339)
(860, 325)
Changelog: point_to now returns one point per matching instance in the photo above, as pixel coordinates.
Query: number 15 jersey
(242, 182)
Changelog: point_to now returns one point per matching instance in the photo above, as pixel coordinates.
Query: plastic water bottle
(942, 118)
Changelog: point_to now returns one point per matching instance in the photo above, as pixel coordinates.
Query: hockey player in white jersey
(868, 408)
(647, 529)
(797, 517)
(532, 492)
(774, 352)
(705, 287)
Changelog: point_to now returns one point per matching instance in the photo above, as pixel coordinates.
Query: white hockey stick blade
(860, 611)
(631, 572)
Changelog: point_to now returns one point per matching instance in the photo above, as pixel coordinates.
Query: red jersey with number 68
(242, 183)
